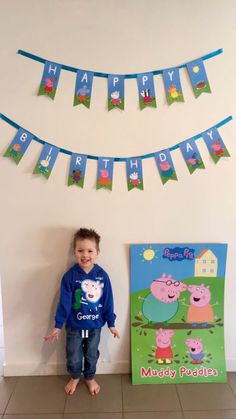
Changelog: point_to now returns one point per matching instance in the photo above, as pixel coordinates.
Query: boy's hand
(54, 335)
(115, 332)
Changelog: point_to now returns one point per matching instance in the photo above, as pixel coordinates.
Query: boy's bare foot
(93, 387)
(71, 386)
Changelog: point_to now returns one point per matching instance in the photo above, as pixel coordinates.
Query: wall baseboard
(103, 367)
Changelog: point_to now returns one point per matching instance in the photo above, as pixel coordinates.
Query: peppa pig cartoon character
(104, 177)
(166, 169)
(161, 304)
(195, 350)
(49, 82)
(164, 352)
(218, 150)
(200, 309)
(115, 98)
(92, 292)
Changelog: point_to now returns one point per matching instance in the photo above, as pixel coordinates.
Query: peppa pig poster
(177, 313)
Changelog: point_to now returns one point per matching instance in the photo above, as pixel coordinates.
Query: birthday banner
(116, 86)
(77, 170)
(177, 313)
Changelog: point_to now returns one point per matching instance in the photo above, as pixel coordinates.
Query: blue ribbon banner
(49, 154)
(147, 98)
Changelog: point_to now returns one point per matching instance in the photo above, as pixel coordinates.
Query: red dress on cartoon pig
(164, 353)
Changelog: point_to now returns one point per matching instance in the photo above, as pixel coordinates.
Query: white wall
(39, 217)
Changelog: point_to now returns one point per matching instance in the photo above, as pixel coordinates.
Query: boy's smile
(86, 253)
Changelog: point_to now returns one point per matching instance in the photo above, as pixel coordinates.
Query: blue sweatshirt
(86, 300)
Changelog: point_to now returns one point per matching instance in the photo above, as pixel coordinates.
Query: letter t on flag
(105, 173)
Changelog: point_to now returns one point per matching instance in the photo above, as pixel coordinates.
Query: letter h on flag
(50, 78)
(134, 173)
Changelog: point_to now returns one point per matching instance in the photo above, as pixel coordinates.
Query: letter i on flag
(83, 88)
(134, 173)
(49, 82)
(191, 155)
(215, 144)
(77, 169)
(146, 90)
(172, 85)
(46, 160)
(198, 77)
(165, 166)
(116, 90)
(105, 173)
(19, 145)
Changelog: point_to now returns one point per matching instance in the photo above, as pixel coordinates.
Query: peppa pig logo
(178, 254)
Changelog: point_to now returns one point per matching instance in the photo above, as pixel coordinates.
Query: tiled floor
(44, 398)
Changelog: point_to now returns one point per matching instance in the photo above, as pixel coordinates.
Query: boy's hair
(86, 233)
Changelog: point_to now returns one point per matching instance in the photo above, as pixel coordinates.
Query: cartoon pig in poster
(162, 302)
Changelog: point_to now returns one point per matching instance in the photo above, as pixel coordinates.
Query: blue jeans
(79, 348)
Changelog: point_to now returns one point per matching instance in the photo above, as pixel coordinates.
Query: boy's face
(86, 253)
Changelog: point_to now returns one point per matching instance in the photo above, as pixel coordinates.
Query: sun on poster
(177, 313)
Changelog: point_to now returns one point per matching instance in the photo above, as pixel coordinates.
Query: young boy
(86, 304)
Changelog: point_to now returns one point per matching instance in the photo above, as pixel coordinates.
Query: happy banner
(116, 88)
(163, 158)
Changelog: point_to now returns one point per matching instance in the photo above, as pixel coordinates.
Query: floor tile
(214, 414)
(7, 386)
(38, 395)
(92, 416)
(41, 416)
(149, 398)
(206, 396)
(154, 415)
(108, 400)
(232, 381)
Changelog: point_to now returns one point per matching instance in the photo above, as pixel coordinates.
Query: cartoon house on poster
(206, 264)
(177, 313)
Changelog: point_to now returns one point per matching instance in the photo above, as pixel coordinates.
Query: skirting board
(60, 369)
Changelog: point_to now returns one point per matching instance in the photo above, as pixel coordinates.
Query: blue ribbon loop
(124, 159)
